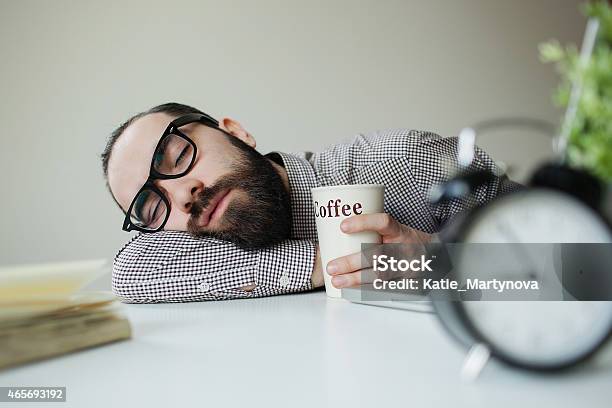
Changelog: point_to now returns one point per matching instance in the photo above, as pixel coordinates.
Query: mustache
(204, 198)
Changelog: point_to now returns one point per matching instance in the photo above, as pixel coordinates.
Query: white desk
(293, 351)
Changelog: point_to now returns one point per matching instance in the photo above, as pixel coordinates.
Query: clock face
(538, 215)
(537, 333)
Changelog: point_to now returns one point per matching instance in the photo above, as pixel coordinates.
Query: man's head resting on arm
(227, 172)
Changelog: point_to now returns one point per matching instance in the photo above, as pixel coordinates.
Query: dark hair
(173, 109)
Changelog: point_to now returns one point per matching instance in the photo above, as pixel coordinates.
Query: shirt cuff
(287, 266)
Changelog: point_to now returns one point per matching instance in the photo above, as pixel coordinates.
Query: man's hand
(345, 271)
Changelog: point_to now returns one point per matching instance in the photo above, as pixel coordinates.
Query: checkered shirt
(173, 266)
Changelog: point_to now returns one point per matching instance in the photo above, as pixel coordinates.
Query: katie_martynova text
(384, 263)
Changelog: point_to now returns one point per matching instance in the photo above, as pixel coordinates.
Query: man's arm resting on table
(173, 266)
(316, 279)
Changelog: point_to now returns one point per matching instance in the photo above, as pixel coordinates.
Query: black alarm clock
(559, 205)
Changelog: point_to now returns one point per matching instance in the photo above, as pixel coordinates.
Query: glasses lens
(149, 210)
(173, 156)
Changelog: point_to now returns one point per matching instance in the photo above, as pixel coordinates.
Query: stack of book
(43, 312)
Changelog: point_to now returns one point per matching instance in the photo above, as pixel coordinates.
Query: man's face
(231, 192)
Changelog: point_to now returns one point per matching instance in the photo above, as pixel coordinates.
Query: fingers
(345, 264)
(385, 225)
(347, 280)
(382, 223)
(354, 278)
(347, 271)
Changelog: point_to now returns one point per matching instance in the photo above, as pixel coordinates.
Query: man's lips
(213, 210)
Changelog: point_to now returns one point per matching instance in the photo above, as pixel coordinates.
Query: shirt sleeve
(434, 161)
(173, 266)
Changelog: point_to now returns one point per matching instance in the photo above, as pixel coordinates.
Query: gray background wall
(298, 74)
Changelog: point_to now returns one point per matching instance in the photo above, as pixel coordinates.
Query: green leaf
(590, 141)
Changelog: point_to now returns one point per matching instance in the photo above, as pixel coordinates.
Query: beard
(257, 218)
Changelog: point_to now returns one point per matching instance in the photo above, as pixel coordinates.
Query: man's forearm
(172, 266)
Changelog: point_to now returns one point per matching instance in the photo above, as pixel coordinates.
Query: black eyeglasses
(173, 158)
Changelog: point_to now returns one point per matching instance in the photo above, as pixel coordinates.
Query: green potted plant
(589, 143)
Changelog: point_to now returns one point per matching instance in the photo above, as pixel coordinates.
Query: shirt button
(284, 280)
(204, 287)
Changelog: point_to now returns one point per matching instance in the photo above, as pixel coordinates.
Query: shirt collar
(302, 179)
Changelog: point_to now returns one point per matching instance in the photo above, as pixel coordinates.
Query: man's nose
(182, 192)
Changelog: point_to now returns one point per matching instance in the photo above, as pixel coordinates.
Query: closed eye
(155, 213)
(181, 156)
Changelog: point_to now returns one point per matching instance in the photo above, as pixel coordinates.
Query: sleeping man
(218, 220)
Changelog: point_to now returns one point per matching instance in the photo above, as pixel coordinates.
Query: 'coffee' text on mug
(333, 209)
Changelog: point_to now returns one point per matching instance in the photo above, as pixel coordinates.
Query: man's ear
(234, 128)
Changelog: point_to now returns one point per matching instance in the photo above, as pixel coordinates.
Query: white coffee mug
(333, 204)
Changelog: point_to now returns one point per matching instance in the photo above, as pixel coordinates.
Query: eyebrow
(189, 127)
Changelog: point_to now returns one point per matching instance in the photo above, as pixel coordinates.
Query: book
(43, 313)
